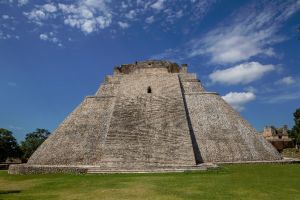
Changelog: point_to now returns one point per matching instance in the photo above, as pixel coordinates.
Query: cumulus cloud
(124, 5)
(288, 80)
(158, 5)
(123, 25)
(8, 27)
(150, 20)
(86, 15)
(51, 8)
(41, 13)
(241, 74)
(6, 36)
(5, 17)
(43, 36)
(131, 15)
(238, 99)
(36, 16)
(95, 15)
(22, 2)
(50, 37)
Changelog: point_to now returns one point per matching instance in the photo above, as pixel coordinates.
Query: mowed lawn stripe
(249, 181)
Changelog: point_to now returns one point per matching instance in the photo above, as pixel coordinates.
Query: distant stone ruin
(278, 137)
(149, 116)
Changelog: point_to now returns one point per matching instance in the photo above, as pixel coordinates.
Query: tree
(32, 141)
(295, 133)
(9, 147)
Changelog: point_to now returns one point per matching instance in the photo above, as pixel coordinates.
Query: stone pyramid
(150, 115)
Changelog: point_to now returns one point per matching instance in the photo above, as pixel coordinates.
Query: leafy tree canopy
(32, 141)
(9, 147)
(295, 133)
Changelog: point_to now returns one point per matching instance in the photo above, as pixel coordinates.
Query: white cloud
(201, 7)
(123, 25)
(43, 36)
(241, 74)
(248, 33)
(150, 20)
(41, 13)
(158, 5)
(288, 80)
(36, 16)
(50, 37)
(179, 13)
(250, 89)
(91, 16)
(8, 27)
(50, 7)
(238, 99)
(131, 15)
(284, 97)
(5, 17)
(124, 5)
(22, 2)
(6, 36)
(88, 26)
(87, 15)
(172, 16)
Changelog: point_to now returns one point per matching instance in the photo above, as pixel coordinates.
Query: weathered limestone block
(80, 138)
(222, 134)
(45, 169)
(148, 129)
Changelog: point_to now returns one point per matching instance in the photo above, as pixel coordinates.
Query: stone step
(166, 169)
(101, 171)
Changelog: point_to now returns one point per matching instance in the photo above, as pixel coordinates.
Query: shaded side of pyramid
(221, 133)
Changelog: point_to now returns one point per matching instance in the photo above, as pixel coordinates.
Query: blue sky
(54, 53)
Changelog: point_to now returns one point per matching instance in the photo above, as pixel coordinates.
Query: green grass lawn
(252, 181)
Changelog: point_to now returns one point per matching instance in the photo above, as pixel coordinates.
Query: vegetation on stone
(251, 181)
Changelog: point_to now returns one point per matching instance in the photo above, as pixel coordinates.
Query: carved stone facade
(278, 137)
(152, 115)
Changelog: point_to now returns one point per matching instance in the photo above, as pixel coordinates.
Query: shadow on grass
(9, 191)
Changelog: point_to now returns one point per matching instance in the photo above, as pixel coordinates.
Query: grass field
(255, 181)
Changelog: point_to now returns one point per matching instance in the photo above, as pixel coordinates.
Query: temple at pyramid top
(150, 66)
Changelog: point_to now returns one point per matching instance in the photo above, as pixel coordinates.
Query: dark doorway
(149, 90)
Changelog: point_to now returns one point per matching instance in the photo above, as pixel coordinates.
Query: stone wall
(221, 133)
(80, 138)
(148, 129)
(45, 169)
